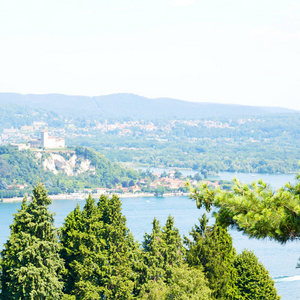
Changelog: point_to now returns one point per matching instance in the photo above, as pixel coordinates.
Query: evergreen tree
(253, 280)
(175, 252)
(118, 279)
(30, 263)
(255, 209)
(212, 249)
(186, 284)
(82, 249)
(163, 255)
(155, 249)
(97, 250)
(169, 277)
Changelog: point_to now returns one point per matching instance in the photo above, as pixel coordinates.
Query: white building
(50, 141)
(21, 147)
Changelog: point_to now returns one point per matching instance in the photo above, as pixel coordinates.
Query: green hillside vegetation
(25, 167)
(264, 145)
(94, 256)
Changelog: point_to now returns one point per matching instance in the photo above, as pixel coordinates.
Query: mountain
(132, 106)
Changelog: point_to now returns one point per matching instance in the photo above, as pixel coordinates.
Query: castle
(47, 141)
(50, 141)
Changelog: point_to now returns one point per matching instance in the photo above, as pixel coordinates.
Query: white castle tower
(50, 141)
(44, 138)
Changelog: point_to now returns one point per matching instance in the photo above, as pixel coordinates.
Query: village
(37, 138)
(71, 129)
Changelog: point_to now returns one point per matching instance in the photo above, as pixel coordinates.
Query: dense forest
(94, 256)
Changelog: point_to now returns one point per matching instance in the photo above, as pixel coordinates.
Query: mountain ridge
(126, 105)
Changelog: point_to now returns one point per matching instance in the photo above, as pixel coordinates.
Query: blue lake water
(280, 260)
(275, 180)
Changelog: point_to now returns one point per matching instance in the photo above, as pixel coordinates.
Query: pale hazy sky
(229, 51)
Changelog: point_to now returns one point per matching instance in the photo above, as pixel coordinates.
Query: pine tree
(118, 280)
(82, 249)
(31, 264)
(97, 250)
(212, 249)
(71, 241)
(163, 253)
(167, 275)
(186, 284)
(253, 280)
(255, 209)
(155, 250)
(175, 250)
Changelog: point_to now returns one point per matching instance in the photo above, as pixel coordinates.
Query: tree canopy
(98, 258)
(31, 264)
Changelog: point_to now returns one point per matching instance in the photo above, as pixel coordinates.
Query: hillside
(132, 106)
(76, 169)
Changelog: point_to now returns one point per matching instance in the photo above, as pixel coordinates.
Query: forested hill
(61, 171)
(132, 106)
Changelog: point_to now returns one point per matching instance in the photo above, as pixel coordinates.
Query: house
(21, 146)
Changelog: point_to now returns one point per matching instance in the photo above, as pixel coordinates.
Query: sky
(222, 51)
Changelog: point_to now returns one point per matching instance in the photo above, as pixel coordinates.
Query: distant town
(38, 134)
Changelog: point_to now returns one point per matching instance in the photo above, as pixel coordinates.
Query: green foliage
(23, 167)
(264, 144)
(103, 261)
(154, 247)
(118, 278)
(253, 280)
(256, 209)
(82, 247)
(212, 249)
(31, 264)
(186, 284)
(159, 191)
(164, 264)
(96, 247)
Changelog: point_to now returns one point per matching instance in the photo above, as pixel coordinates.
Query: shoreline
(77, 196)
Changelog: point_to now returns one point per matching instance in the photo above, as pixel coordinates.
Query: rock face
(71, 166)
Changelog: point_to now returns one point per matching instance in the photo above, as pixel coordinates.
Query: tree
(118, 279)
(166, 274)
(177, 174)
(164, 174)
(212, 249)
(253, 280)
(31, 265)
(82, 249)
(197, 177)
(3, 185)
(255, 209)
(186, 284)
(159, 191)
(97, 250)
(154, 254)
(131, 183)
(175, 252)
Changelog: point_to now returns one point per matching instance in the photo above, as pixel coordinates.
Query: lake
(280, 260)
